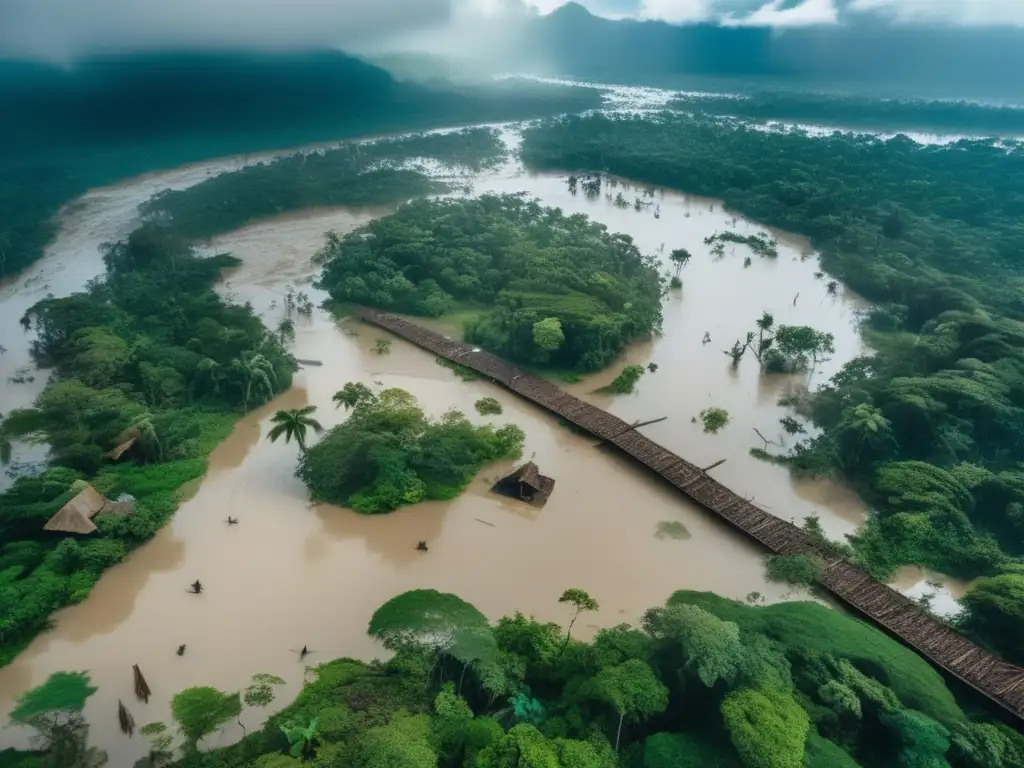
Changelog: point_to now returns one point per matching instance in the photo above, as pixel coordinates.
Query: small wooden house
(526, 484)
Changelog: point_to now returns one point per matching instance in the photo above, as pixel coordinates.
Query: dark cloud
(63, 30)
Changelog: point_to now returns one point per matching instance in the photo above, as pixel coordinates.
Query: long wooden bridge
(1000, 681)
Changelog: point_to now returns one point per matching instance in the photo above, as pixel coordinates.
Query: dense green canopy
(929, 426)
(388, 453)
(551, 289)
(705, 683)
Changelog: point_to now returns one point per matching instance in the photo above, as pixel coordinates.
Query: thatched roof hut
(124, 442)
(76, 516)
(526, 484)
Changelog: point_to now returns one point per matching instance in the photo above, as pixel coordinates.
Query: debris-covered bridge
(989, 675)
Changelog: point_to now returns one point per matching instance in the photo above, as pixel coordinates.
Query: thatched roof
(124, 441)
(527, 474)
(76, 516)
(526, 484)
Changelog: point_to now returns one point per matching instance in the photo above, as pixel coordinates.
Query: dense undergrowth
(703, 682)
(929, 427)
(556, 291)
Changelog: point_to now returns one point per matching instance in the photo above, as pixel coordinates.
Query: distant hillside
(64, 130)
(963, 62)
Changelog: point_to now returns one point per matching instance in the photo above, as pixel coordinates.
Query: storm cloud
(64, 30)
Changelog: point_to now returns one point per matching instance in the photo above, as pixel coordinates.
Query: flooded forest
(218, 475)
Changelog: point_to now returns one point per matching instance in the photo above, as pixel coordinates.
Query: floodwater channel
(291, 574)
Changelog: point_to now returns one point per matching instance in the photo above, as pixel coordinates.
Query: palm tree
(293, 424)
(353, 393)
(764, 325)
(147, 438)
(256, 371)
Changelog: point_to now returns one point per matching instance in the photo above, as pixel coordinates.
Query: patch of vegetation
(488, 406)
(626, 381)
(761, 244)
(798, 570)
(462, 371)
(868, 113)
(388, 453)
(671, 529)
(714, 419)
(702, 682)
(354, 174)
(563, 293)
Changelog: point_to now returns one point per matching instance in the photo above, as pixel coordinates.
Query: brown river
(291, 574)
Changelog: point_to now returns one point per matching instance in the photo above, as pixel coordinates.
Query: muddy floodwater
(291, 575)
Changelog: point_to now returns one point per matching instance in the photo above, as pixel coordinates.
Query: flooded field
(291, 575)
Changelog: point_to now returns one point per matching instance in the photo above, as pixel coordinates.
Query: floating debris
(141, 686)
(125, 719)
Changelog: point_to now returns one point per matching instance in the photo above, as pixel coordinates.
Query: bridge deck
(998, 680)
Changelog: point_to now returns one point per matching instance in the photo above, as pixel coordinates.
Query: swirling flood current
(292, 574)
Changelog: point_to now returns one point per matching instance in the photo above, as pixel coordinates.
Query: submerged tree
(54, 711)
(293, 425)
(679, 257)
(202, 710)
(714, 419)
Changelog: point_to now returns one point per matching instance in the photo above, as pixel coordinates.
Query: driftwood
(141, 686)
(125, 719)
(1000, 681)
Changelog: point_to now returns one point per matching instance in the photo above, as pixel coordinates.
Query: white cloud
(675, 11)
(65, 29)
(966, 12)
(773, 14)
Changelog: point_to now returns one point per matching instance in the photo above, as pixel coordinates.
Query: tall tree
(293, 425)
(767, 727)
(352, 394)
(680, 257)
(633, 690)
(424, 618)
(54, 710)
(202, 710)
(257, 375)
(580, 600)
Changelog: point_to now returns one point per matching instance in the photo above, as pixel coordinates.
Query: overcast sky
(62, 30)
